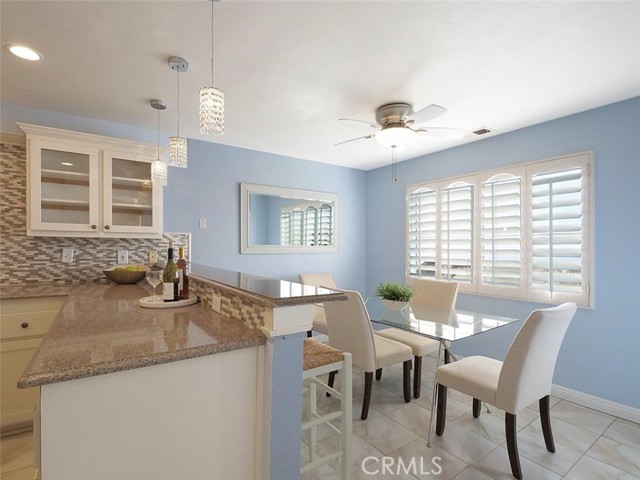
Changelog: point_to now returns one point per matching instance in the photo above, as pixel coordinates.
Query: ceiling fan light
(211, 111)
(395, 137)
(178, 152)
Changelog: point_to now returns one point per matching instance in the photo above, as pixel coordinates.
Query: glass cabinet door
(64, 187)
(131, 200)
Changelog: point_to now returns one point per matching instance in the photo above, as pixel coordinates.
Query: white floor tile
(592, 469)
(564, 433)
(496, 466)
(384, 434)
(616, 454)
(582, 417)
(625, 432)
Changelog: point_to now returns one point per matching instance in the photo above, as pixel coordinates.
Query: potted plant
(394, 295)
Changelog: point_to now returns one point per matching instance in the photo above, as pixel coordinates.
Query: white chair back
(435, 293)
(324, 279)
(350, 330)
(527, 370)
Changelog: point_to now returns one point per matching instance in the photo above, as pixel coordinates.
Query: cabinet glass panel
(132, 193)
(65, 187)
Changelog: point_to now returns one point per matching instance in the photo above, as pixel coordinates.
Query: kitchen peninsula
(204, 391)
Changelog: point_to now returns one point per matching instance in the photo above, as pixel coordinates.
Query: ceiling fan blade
(359, 121)
(354, 139)
(443, 133)
(428, 113)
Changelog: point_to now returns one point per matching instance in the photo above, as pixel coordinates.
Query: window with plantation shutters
(422, 233)
(308, 226)
(501, 233)
(456, 232)
(520, 232)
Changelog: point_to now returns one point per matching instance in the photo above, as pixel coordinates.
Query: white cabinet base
(194, 419)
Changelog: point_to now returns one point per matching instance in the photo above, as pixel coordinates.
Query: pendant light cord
(211, 1)
(158, 152)
(178, 134)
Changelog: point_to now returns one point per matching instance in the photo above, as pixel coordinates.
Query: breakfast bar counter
(202, 391)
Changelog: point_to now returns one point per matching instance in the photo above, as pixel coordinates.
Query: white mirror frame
(247, 189)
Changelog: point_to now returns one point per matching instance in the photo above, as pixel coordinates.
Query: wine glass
(154, 277)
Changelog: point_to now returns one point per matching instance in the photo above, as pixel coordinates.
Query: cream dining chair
(524, 377)
(437, 294)
(324, 279)
(350, 331)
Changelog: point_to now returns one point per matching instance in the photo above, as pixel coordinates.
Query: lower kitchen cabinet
(23, 324)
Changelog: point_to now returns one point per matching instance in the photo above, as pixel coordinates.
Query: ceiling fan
(395, 125)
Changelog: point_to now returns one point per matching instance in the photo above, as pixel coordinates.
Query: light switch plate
(153, 256)
(123, 257)
(67, 255)
(202, 224)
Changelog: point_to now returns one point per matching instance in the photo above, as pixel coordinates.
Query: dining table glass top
(439, 324)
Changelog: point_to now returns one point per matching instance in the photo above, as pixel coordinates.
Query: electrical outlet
(67, 255)
(153, 256)
(216, 303)
(202, 224)
(123, 257)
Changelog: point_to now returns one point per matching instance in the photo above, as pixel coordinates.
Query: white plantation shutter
(297, 227)
(285, 228)
(526, 227)
(309, 226)
(501, 234)
(325, 222)
(559, 244)
(421, 221)
(457, 232)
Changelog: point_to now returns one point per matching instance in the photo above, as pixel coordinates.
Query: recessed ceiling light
(24, 52)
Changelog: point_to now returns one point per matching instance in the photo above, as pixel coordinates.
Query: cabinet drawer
(19, 325)
(22, 318)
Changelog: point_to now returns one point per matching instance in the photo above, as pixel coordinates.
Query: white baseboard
(597, 403)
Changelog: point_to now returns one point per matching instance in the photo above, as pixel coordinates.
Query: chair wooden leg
(545, 419)
(512, 445)
(309, 334)
(476, 408)
(406, 380)
(441, 409)
(332, 378)
(417, 376)
(368, 382)
(378, 374)
(447, 356)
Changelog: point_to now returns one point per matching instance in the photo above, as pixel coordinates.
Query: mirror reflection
(281, 220)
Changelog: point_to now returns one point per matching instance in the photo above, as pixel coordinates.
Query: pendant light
(211, 101)
(178, 144)
(159, 167)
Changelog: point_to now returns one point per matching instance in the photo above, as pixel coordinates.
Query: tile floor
(589, 445)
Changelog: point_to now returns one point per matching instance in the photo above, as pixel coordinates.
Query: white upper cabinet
(82, 185)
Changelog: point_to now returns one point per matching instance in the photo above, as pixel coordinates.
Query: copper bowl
(125, 276)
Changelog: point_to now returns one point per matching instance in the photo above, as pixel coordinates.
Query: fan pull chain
(394, 178)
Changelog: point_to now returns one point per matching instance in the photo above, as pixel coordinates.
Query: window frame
(525, 171)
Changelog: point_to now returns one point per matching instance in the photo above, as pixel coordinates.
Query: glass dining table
(445, 326)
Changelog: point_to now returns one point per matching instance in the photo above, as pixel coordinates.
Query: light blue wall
(601, 352)
(210, 188)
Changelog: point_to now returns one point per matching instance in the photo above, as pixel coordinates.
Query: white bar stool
(319, 359)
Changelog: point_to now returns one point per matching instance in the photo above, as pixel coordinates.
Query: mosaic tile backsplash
(37, 259)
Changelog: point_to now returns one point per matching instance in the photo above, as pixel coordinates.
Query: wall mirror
(285, 220)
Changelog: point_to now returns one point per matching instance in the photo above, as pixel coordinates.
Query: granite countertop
(101, 329)
(268, 291)
(31, 290)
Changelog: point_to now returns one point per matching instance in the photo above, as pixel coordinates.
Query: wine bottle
(183, 275)
(170, 278)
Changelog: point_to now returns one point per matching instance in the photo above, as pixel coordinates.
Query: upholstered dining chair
(524, 377)
(324, 279)
(350, 331)
(437, 294)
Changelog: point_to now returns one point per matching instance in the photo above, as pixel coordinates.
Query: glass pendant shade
(211, 111)
(395, 137)
(159, 169)
(178, 152)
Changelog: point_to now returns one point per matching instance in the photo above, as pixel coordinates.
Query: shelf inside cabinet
(55, 176)
(131, 182)
(130, 206)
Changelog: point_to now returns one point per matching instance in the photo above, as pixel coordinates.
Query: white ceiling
(290, 69)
